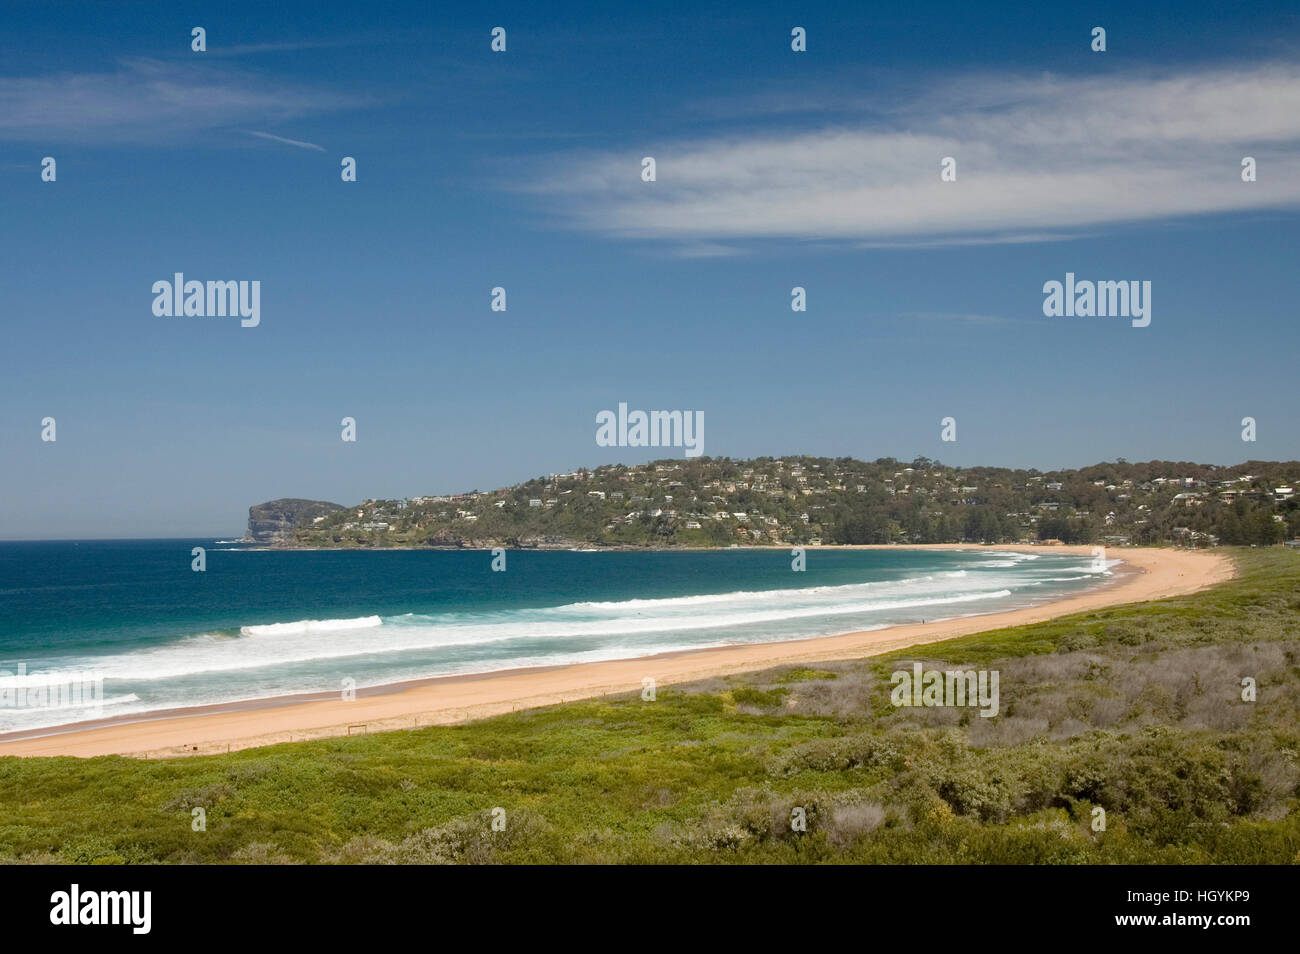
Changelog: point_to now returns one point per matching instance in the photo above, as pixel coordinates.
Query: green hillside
(705, 502)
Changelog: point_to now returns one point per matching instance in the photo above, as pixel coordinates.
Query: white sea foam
(118, 700)
(308, 626)
(283, 644)
(269, 658)
(878, 588)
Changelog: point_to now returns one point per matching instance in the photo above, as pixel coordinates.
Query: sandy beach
(1146, 574)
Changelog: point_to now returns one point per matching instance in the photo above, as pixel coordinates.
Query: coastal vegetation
(1141, 711)
(711, 502)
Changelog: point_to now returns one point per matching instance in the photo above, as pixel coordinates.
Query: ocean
(262, 623)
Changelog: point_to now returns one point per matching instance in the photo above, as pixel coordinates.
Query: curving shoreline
(1146, 574)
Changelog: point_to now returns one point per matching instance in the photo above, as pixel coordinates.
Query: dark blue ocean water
(261, 622)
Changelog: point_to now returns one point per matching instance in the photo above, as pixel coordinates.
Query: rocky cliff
(273, 522)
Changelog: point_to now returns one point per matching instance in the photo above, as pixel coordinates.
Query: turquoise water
(259, 623)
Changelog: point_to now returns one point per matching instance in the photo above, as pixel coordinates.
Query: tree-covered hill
(809, 500)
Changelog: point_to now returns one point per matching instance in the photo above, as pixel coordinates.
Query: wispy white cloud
(288, 142)
(288, 46)
(706, 250)
(1000, 238)
(1037, 159)
(149, 101)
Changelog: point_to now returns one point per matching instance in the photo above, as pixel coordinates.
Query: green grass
(1135, 710)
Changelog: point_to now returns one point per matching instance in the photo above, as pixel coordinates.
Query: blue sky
(521, 169)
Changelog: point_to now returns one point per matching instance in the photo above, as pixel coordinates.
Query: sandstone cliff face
(273, 522)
